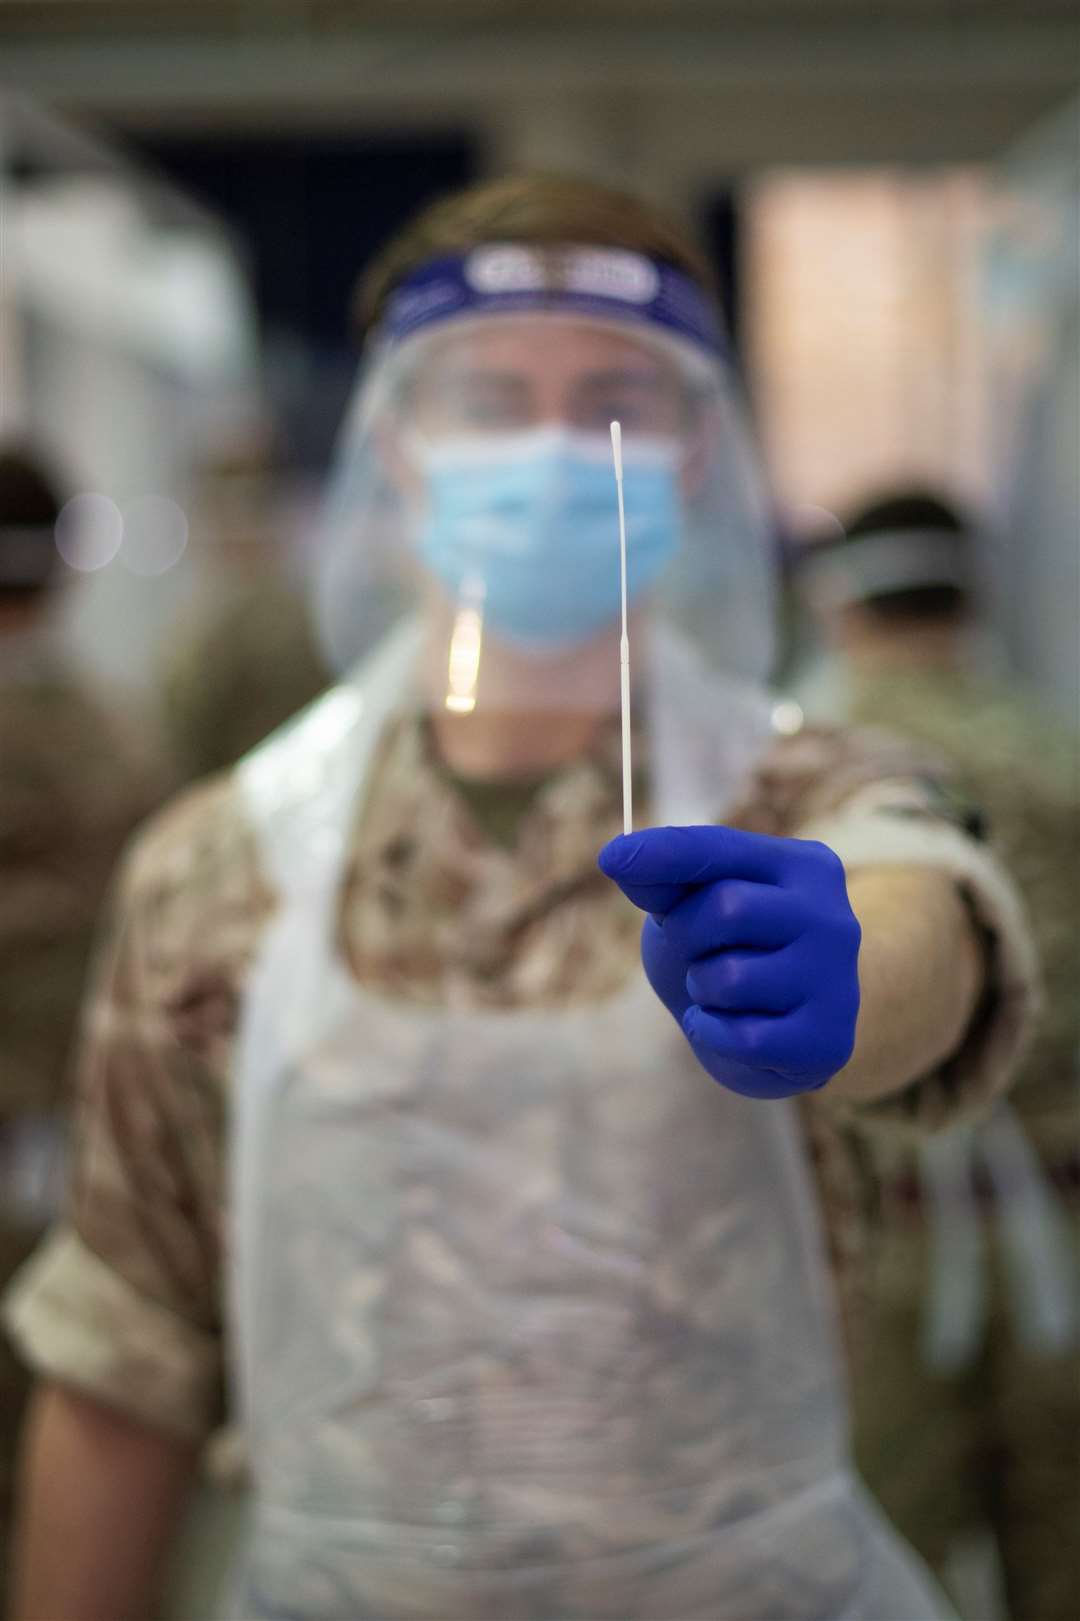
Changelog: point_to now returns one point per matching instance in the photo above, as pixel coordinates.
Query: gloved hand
(751, 944)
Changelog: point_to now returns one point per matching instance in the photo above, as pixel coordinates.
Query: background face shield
(474, 492)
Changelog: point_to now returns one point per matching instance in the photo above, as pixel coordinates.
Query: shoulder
(816, 770)
(192, 884)
(201, 843)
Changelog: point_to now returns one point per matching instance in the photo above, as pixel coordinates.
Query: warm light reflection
(466, 640)
(787, 717)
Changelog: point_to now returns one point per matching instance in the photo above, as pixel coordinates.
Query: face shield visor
(473, 492)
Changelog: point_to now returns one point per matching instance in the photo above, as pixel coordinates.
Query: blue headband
(507, 278)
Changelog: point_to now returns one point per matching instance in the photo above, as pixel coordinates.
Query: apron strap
(299, 790)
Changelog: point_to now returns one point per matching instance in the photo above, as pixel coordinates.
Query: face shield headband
(611, 284)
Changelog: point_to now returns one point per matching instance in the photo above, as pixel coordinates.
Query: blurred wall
(1031, 305)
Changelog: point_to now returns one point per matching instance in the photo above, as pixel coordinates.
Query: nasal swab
(624, 641)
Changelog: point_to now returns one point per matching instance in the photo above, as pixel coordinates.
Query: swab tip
(616, 447)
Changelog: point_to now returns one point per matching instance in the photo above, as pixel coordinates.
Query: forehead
(545, 349)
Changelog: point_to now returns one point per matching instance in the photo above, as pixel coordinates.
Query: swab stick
(624, 641)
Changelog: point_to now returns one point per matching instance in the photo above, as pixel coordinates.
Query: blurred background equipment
(125, 327)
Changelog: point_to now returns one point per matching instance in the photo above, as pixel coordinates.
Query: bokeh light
(88, 532)
(155, 535)
(787, 717)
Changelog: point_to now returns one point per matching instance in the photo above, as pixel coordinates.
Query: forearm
(920, 975)
(99, 1498)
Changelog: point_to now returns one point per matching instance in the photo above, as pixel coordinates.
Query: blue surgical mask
(531, 520)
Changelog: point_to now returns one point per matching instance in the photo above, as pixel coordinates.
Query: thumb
(659, 866)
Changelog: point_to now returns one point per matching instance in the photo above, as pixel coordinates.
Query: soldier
(519, 1281)
(979, 1432)
(73, 788)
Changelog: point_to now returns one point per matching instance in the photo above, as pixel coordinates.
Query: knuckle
(731, 974)
(843, 929)
(729, 902)
(826, 859)
(713, 921)
(750, 1038)
(842, 1043)
(714, 982)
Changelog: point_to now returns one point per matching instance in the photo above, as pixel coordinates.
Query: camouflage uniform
(995, 1443)
(439, 906)
(73, 789)
(242, 661)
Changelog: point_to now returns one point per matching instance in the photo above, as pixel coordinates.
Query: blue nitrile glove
(752, 945)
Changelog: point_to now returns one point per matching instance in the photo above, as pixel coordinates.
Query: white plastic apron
(533, 1316)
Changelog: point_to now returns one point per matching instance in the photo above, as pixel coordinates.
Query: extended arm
(920, 973)
(99, 1498)
(783, 981)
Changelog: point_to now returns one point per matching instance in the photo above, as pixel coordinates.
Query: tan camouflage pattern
(242, 660)
(74, 784)
(436, 913)
(156, 1059)
(997, 1444)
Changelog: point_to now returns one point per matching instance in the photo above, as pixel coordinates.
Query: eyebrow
(480, 376)
(623, 380)
(622, 377)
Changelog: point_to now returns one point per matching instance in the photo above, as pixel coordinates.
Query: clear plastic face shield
(474, 490)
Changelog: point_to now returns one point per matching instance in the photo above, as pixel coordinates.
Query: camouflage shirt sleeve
(75, 786)
(123, 1300)
(880, 800)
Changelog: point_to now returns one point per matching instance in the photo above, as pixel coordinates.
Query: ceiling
(739, 82)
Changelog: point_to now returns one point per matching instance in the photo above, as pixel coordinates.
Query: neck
(931, 647)
(531, 714)
(516, 744)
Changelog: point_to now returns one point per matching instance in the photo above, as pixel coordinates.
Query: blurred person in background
(974, 1334)
(244, 656)
(521, 1283)
(73, 784)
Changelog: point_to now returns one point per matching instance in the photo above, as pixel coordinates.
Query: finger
(750, 1082)
(793, 1043)
(657, 866)
(748, 982)
(665, 969)
(734, 913)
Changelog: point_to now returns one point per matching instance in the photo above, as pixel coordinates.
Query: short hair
(907, 511)
(30, 499)
(537, 210)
